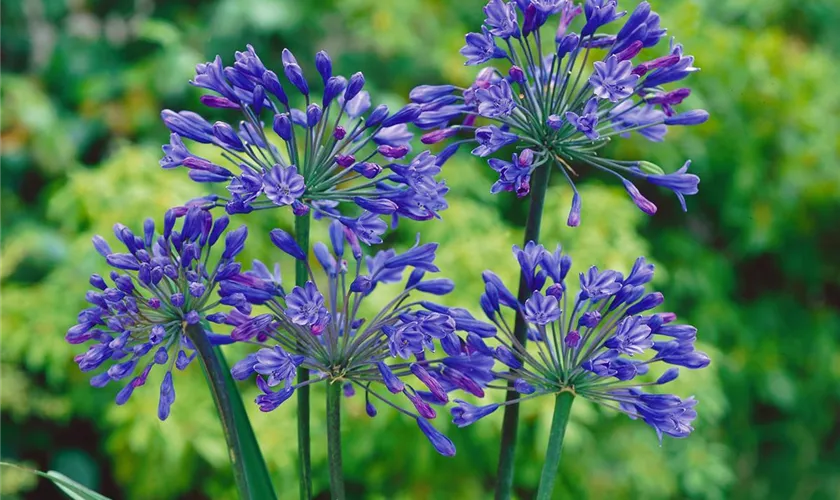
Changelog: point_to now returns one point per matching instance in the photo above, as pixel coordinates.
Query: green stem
(562, 409)
(504, 472)
(334, 440)
(304, 455)
(249, 470)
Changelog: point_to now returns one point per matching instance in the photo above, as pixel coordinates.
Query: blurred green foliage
(753, 264)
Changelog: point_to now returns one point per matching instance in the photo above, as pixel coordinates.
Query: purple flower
(292, 170)
(465, 414)
(599, 358)
(481, 47)
(586, 122)
(305, 306)
(276, 364)
(501, 19)
(283, 185)
(541, 309)
(323, 327)
(134, 323)
(563, 111)
(490, 139)
(496, 100)
(613, 80)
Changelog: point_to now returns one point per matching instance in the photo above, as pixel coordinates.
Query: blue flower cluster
(552, 107)
(160, 286)
(335, 150)
(321, 329)
(594, 345)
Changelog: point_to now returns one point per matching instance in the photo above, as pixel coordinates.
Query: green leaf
(256, 471)
(71, 488)
(246, 460)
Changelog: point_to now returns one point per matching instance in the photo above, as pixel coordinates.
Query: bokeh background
(754, 263)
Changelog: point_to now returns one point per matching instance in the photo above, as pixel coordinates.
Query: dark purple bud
(336, 231)
(643, 203)
(324, 65)
(167, 396)
(295, 75)
(408, 113)
(504, 355)
(345, 160)
(235, 242)
(442, 444)
(362, 284)
(272, 84)
(123, 261)
(124, 394)
(367, 169)
(589, 319)
(168, 223)
(153, 303)
(313, 115)
(631, 51)
(430, 382)
(177, 299)
(574, 213)
(446, 153)
(369, 408)
(101, 246)
(98, 282)
(516, 74)
(354, 86)
(440, 286)
(669, 375)
(299, 208)
(227, 137)
(523, 387)
(218, 228)
(437, 136)
(283, 126)
(197, 289)
(567, 44)
(339, 132)
(648, 302)
(192, 318)
(214, 101)
(377, 116)
(572, 339)
(332, 88)
(693, 117)
(390, 380)
(427, 93)
(381, 206)
(285, 242)
(244, 368)
(394, 152)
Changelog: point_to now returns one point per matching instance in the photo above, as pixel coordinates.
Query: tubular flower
(160, 286)
(334, 150)
(320, 328)
(595, 345)
(554, 104)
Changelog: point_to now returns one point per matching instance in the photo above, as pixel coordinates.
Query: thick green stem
(510, 423)
(249, 470)
(562, 409)
(304, 455)
(334, 440)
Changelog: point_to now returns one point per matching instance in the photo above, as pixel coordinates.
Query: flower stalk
(562, 409)
(304, 444)
(334, 440)
(510, 422)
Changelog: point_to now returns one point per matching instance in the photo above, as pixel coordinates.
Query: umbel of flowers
(334, 149)
(542, 95)
(593, 345)
(164, 282)
(322, 328)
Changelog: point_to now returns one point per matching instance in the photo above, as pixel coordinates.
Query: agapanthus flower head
(565, 95)
(333, 149)
(164, 283)
(598, 345)
(321, 327)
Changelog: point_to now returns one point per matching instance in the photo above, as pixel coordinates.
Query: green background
(753, 264)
